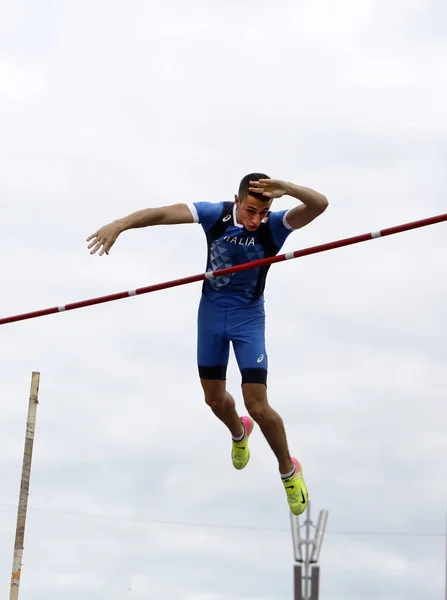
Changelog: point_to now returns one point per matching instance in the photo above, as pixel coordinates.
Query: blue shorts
(244, 327)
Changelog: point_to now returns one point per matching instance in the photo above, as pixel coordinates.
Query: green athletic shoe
(296, 490)
(240, 452)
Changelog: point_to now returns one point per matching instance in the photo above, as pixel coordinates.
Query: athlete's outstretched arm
(104, 238)
(313, 203)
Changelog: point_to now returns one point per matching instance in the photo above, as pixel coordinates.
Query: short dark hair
(245, 184)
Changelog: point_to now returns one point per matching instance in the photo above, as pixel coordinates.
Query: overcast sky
(110, 107)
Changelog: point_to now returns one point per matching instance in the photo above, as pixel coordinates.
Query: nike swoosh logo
(240, 447)
(290, 487)
(303, 499)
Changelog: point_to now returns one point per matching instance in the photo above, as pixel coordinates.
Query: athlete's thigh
(212, 344)
(247, 334)
(214, 389)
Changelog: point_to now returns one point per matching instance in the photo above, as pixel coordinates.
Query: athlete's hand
(104, 238)
(270, 188)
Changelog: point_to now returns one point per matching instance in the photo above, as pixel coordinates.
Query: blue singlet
(232, 306)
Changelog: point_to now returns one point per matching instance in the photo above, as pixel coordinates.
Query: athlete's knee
(214, 391)
(255, 398)
(258, 411)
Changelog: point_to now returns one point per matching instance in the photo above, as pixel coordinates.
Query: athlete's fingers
(261, 191)
(95, 241)
(106, 247)
(96, 248)
(90, 237)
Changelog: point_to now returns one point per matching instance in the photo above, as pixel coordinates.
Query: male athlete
(232, 306)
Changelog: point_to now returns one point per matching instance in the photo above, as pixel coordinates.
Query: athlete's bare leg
(270, 423)
(222, 404)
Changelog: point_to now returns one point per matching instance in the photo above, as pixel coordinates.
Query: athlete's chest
(238, 245)
(236, 237)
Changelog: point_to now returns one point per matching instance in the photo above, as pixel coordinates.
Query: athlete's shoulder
(278, 217)
(208, 213)
(279, 227)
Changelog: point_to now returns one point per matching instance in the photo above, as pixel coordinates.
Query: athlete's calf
(269, 421)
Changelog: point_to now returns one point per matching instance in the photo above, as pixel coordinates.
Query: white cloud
(19, 84)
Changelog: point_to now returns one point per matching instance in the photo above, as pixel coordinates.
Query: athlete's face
(250, 211)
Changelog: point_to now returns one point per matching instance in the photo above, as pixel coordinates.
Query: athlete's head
(251, 207)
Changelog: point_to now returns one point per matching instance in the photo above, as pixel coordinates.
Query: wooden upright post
(24, 487)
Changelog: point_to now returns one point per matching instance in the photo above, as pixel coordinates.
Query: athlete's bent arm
(313, 205)
(104, 238)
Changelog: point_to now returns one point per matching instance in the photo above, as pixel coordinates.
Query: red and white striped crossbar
(250, 265)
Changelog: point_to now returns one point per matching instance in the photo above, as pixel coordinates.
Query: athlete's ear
(236, 199)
